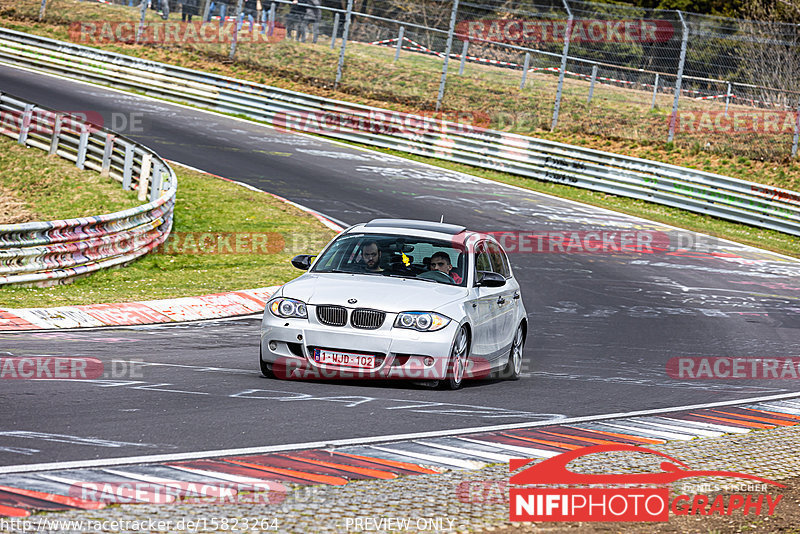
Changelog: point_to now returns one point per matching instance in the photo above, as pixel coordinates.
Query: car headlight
(422, 321)
(285, 308)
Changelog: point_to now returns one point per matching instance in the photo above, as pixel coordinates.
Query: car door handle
(516, 296)
(501, 300)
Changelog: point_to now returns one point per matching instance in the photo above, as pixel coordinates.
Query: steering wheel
(438, 276)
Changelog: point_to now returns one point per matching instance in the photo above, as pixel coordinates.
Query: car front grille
(367, 319)
(332, 315)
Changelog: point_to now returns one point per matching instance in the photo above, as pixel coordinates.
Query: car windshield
(419, 258)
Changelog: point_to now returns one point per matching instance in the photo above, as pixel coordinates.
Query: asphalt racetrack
(603, 326)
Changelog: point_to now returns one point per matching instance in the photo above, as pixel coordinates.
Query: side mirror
(490, 279)
(303, 261)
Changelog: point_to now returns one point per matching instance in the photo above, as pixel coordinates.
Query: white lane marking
(19, 450)
(681, 429)
(227, 476)
(74, 440)
(486, 455)
(710, 426)
(173, 457)
(443, 460)
(647, 432)
(528, 451)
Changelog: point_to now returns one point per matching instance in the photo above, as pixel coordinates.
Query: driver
(440, 261)
(371, 257)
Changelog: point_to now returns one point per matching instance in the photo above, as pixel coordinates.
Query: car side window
(499, 260)
(482, 261)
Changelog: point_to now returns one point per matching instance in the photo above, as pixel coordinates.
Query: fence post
(206, 11)
(83, 144)
(144, 176)
(591, 84)
(108, 150)
(674, 117)
(155, 182)
(26, 124)
(127, 167)
(56, 133)
(727, 99)
(562, 72)
(464, 49)
(525, 66)
(655, 91)
(347, 17)
(400, 38)
(235, 29)
(335, 30)
(449, 46)
(271, 19)
(140, 29)
(42, 9)
(796, 131)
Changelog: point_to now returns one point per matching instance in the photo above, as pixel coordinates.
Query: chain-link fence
(532, 65)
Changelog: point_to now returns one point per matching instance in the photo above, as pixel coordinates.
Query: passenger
(371, 257)
(440, 261)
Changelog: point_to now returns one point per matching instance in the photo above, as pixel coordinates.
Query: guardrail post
(591, 84)
(347, 17)
(727, 98)
(83, 144)
(525, 67)
(207, 11)
(464, 49)
(335, 30)
(127, 168)
(155, 182)
(236, 27)
(400, 38)
(674, 117)
(56, 133)
(108, 150)
(655, 91)
(449, 47)
(144, 176)
(796, 131)
(42, 9)
(563, 71)
(25, 125)
(140, 29)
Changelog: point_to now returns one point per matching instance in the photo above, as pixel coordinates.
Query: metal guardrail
(693, 190)
(54, 252)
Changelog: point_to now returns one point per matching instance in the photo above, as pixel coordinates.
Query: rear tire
(513, 368)
(457, 365)
(266, 368)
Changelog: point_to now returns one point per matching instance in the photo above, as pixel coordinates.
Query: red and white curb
(203, 307)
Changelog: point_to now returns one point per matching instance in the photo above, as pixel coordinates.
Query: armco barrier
(54, 252)
(692, 190)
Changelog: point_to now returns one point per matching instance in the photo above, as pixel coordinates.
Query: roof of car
(430, 226)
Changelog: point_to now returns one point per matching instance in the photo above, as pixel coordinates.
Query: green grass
(204, 204)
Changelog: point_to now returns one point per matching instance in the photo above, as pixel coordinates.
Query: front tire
(513, 368)
(457, 365)
(266, 368)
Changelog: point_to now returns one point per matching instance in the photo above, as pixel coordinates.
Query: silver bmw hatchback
(397, 298)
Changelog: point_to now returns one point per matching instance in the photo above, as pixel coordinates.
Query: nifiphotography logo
(649, 501)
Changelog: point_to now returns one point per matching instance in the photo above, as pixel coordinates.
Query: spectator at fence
(188, 8)
(312, 16)
(251, 8)
(294, 21)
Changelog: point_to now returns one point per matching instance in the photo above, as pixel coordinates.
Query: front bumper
(288, 344)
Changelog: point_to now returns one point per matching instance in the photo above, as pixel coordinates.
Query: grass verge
(208, 210)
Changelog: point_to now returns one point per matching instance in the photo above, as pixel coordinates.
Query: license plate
(344, 359)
